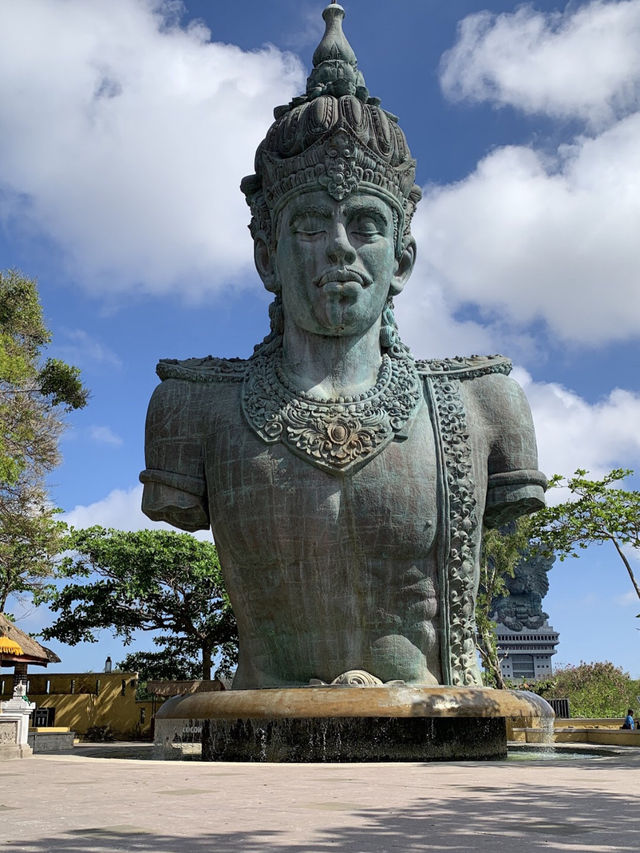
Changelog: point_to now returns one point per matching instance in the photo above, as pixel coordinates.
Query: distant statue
(345, 482)
(522, 607)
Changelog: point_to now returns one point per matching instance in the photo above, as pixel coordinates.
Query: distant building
(526, 654)
(84, 699)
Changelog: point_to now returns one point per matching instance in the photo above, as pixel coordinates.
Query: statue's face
(335, 262)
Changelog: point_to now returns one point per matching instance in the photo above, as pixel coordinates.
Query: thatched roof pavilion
(18, 648)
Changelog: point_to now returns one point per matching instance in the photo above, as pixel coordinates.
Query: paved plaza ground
(85, 803)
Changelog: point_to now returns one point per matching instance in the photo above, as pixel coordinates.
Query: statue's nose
(339, 248)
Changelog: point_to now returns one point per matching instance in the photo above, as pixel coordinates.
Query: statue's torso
(373, 566)
(327, 573)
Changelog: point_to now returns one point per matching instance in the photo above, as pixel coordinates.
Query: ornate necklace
(334, 435)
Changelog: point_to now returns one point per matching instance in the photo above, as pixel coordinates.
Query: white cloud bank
(583, 63)
(531, 237)
(533, 234)
(122, 136)
(574, 434)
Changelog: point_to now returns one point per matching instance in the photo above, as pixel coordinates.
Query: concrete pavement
(81, 803)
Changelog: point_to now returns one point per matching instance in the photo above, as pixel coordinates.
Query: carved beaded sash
(458, 518)
(334, 435)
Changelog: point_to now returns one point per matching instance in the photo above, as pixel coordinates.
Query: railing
(560, 707)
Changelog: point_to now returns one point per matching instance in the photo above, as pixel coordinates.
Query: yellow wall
(87, 699)
(589, 722)
(607, 737)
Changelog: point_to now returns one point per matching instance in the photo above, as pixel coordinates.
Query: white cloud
(78, 346)
(531, 237)
(583, 63)
(123, 137)
(628, 599)
(538, 234)
(121, 510)
(574, 434)
(105, 435)
(426, 312)
(429, 328)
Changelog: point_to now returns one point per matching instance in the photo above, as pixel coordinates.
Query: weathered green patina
(345, 482)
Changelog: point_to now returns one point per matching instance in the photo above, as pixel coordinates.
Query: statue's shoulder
(192, 397)
(462, 368)
(206, 370)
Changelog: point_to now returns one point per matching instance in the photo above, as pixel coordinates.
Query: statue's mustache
(343, 274)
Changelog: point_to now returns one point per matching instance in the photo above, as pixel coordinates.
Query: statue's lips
(340, 277)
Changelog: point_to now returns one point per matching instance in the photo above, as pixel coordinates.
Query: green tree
(34, 394)
(177, 660)
(593, 689)
(502, 550)
(30, 538)
(596, 513)
(172, 663)
(148, 580)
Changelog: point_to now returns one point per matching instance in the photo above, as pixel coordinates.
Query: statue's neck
(331, 367)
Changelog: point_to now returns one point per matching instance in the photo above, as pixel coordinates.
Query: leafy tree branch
(34, 393)
(147, 580)
(596, 513)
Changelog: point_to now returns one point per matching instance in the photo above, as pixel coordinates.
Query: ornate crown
(334, 137)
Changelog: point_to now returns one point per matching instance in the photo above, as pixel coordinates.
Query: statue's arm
(174, 482)
(515, 486)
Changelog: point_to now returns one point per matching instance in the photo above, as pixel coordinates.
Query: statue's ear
(404, 267)
(263, 257)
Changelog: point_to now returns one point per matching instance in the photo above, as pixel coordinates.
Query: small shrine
(18, 650)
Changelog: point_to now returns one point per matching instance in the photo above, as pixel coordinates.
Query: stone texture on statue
(345, 482)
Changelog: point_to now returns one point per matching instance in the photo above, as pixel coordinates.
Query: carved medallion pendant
(334, 435)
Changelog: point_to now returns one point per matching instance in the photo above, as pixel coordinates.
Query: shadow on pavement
(524, 817)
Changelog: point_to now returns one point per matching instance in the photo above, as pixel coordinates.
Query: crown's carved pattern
(340, 166)
(463, 528)
(335, 435)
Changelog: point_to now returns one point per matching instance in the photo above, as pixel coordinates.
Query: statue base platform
(315, 724)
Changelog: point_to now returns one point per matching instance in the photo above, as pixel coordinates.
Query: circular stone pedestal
(349, 723)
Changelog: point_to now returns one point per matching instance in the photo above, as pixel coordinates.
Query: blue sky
(126, 127)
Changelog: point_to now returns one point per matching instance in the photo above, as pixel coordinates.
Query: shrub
(99, 734)
(593, 689)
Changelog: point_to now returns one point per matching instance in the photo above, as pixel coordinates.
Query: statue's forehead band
(363, 188)
(339, 166)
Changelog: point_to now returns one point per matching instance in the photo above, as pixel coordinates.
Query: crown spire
(334, 44)
(335, 67)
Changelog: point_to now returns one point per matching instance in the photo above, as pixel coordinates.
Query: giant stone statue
(345, 482)
(521, 607)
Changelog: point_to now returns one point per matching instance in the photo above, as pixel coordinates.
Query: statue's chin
(339, 310)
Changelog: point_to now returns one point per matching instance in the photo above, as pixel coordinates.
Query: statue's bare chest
(270, 506)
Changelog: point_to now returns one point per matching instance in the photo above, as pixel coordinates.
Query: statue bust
(521, 607)
(345, 482)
